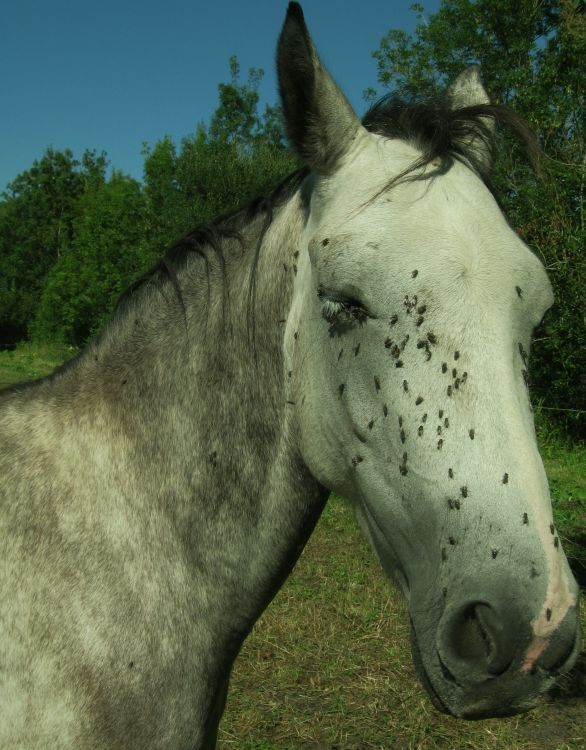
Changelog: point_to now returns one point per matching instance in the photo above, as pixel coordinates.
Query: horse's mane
(446, 134)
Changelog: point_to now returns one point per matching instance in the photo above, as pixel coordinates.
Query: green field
(328, 666)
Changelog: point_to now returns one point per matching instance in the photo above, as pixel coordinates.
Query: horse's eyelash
(332, 308)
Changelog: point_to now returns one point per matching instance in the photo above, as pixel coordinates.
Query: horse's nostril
(500, 644)
(473, 643)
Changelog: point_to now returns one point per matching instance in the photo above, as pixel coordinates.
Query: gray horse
(364, 329)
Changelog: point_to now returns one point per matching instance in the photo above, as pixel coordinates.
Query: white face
(407, 342)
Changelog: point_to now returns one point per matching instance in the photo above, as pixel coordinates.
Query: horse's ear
(467, 91)
(320, 123)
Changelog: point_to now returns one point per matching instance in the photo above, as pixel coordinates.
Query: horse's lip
(424, 677)
(446, 672)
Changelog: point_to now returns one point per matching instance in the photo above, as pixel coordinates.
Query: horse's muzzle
(476, 669)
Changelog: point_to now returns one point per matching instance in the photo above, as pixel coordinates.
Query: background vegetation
(72, 238)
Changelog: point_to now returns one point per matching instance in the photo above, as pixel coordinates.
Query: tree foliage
(36, 225)
(240, 155)
(107, 251)
(530, 53)
(72, 240)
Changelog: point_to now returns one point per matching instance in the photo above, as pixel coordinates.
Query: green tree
(529, 52)
(237, 119)
(107, 251)
(161, 190)
(36, 226)
(240, 155)
(70, 241)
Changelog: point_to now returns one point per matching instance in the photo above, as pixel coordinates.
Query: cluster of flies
(341, 317)
(396, 346)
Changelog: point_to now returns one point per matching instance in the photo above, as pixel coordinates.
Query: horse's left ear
(321, 125)
(467, 91)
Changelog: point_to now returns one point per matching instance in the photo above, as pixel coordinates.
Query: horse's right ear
(320, 123)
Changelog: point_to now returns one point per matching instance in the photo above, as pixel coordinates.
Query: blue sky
(113, 74)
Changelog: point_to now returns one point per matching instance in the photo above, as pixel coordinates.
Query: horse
(363, 329)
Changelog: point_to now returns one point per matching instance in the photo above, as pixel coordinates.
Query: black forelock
(442, 132)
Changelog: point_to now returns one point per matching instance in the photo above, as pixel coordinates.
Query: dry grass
(328, 666)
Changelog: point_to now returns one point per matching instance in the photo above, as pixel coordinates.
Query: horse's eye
(341, 309)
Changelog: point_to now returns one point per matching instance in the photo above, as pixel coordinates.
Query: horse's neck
(201, 420)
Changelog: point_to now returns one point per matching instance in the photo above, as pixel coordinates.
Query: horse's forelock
(448, 134)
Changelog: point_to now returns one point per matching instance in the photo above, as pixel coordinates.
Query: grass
(328, 665)
(565, 466)
(31, 360)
